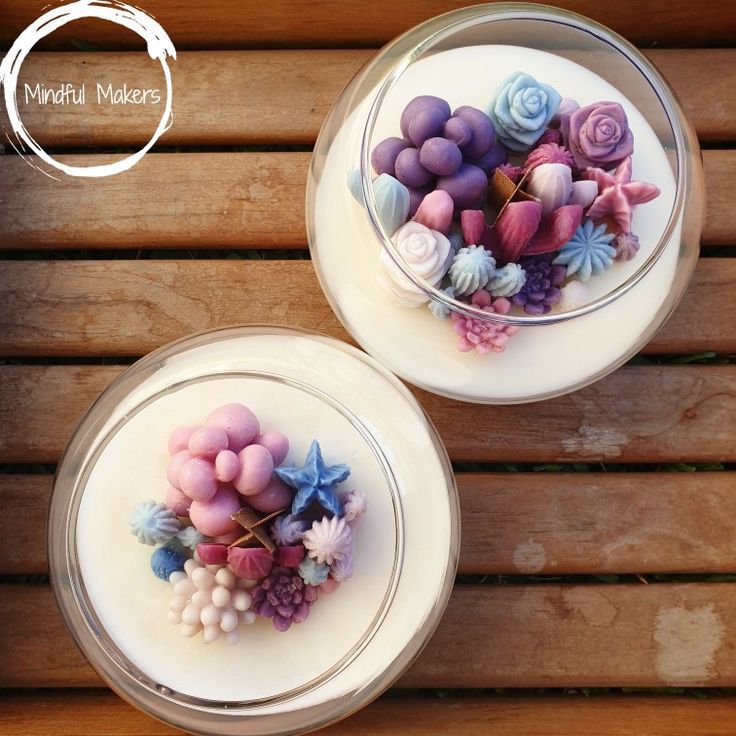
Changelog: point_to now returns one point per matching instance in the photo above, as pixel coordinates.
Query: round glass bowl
(462, 57)
(357, 640)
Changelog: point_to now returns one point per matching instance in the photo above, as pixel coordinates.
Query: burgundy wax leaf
(212, 554)
(251, 563)
(289, 556)
(489, 240)
(515, 228)
(556, 230)
(472, 223)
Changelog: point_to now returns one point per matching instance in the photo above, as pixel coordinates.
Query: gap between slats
(256, 97)
(506, 636)
(129, 307)
(69, 713)
(321, 23)
(639, 414)
(514, 523)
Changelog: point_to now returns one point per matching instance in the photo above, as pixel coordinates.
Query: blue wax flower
(313, 573)
(521, 110)
(438, 309)
(314, 482)
(190, 537)
(153, 523)
(167, 559)
(589, 251)
(471, 269)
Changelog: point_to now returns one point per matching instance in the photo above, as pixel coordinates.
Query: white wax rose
(426, 252)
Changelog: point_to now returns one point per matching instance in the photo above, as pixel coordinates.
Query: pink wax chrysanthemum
(480, 335)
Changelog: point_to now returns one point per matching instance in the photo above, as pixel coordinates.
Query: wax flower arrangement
(511, 210)
(240, 536)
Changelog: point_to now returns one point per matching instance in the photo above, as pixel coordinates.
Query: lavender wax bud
(383, 157)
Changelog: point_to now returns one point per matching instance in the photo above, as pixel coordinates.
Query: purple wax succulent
(283, 597)
(598, 135)
(542, 286)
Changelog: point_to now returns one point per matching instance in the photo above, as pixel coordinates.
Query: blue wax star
(315, 481)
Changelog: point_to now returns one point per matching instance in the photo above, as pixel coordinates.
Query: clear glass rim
(114, 666)
(450, 23)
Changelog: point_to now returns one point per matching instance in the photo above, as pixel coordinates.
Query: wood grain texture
(490, 636)
(123, 308)
(198, 200)
(514, 523)
(298, 23)
(100, 712)
(255, 97)
(639, 414)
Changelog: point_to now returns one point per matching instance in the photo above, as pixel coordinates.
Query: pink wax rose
(598, 135)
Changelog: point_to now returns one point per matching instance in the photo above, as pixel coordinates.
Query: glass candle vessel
(462, 57)
(357, 640)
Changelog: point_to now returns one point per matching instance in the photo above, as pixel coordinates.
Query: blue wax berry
(165, 560)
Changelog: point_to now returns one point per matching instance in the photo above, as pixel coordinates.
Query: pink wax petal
(473, 225)
(435, 211)
(515, 228)
(556, 230)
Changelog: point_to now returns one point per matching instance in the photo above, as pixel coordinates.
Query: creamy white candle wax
(541, 360)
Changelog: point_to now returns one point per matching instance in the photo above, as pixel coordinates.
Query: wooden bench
(597, 602)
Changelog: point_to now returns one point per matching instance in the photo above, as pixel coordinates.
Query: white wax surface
(538, 361)
(132, 604)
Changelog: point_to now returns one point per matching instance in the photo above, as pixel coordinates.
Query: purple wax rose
(598, 135)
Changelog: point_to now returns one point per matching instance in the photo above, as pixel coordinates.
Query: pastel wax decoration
(458, 131)
(179, 439)
(409, 169)
(208, 441)
(276, 443)
(521, 109)
(482, 132)
(238, 421)
(583, 193)
(329, 586)
(328, 540)
(598, 135)
(426, 252)
(383, 156)
(626, 245)
(256, 467)
(289, 556)
(153, 523)
(515, 228)
(354, 505)
(284, 598)
(227, 466)
(250, 563)
(555, 230)
(551, 184)
(618, 195)
(177, 501)
(392, 202)
(467, 186)
(435, 211)
(189, 537)
(211, 553)
(548, 153)
(313, 573)
(497, 156)
(482, 336)
(588, 253)
(314, 482)
(507, 281)
(287, 529)
(438, 309)
(214, 517)
(197, 479)
(167, 560)
(213, 602)
(417, 105)
(541, 290)
(471, 269)
(440, 156)
(175, 465)
(573, 295)
(342, 569)
(276, 495)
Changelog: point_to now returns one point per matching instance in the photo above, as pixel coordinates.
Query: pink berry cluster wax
(508, 209)
(240, 535)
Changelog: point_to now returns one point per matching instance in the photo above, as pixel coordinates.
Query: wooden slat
(548, 523)
(490, 636)
(639, 414)
(109, 308)
(296, 23)
(197, 200)
(100, 712)
(252, 97)
(513, 523)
